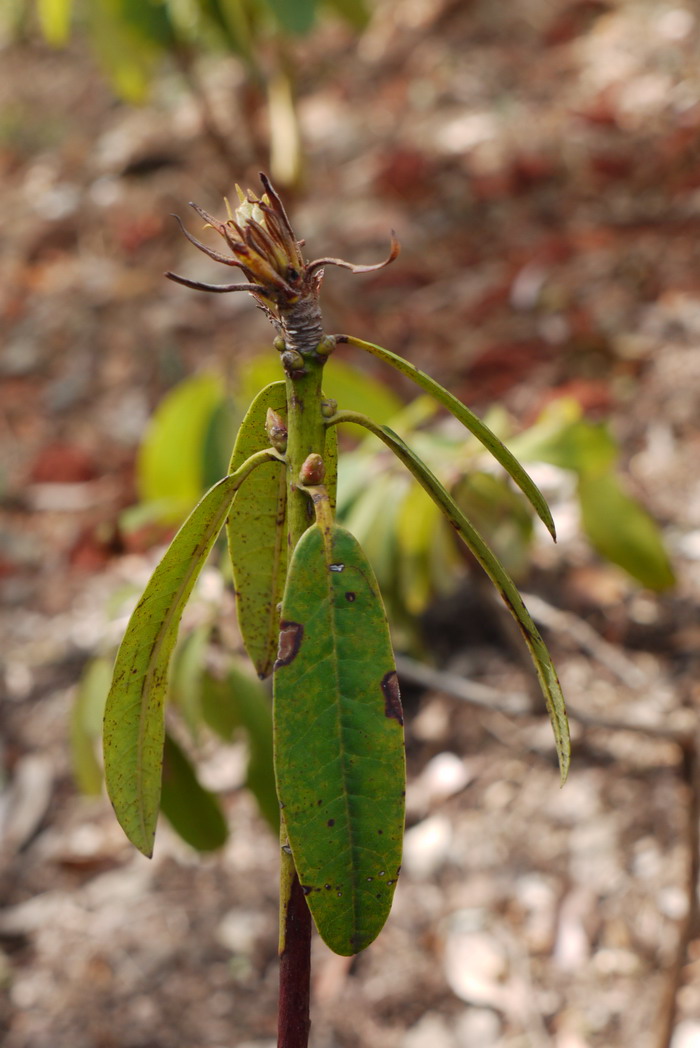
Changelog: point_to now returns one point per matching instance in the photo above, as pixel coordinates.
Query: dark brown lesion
(392, 696)
(291, 635)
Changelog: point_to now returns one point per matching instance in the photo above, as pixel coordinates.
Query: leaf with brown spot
(339, 755)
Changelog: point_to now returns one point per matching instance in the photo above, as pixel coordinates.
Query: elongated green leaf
(621, 530)
(193, 812)
(256, 529)
(339, 756)
(468, 419)
(546, 673)
(133, 724)
(257, 534)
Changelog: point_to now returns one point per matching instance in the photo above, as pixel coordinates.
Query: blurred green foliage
(133, 39)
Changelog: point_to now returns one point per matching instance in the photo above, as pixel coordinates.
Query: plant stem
(306, 435)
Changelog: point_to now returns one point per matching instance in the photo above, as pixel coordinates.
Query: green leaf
(170, 466)
(419, 520)
(133, 723)
(220, 434)
(339, 754)
(468, 419)
(257, 534)
(294, 16)
(86, 724)
(546, 673)
(128, 57)
(54, 19)
(623, 532)
(193, 812)
(257, 530)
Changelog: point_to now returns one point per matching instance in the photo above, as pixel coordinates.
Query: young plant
(310, 613)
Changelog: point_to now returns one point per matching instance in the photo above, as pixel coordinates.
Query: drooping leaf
(546, 673)
(170, 467)
(468, 419)
(133, 723)
(257, 534)
(86, 724)
(338, 739)
(623, 532)
(193, 812)
(54, 19)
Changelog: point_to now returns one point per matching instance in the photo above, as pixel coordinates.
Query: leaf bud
(313, 471)
(329, 407)
(326, 346)
(292, 361)
(276, 430)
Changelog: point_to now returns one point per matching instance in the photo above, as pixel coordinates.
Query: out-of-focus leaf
(186, 675)
(562, 437)
(133, 724)
(418, 520)
(218, 440)
(546, 672)
(231, 19)
(624, 533)
(294, 16)
(353, 389)
(147, 19)
(170, 467)
(255, 712)
(498, 511)
(468, 419)
(128, 57)
(86, 724)
(219, 709)
(372, 519)
(338, 739)
(54, 19)
(353, 11)
(193, 812)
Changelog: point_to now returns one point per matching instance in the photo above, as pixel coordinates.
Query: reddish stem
(295, 973)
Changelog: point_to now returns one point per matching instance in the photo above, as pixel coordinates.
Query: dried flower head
(264, 247)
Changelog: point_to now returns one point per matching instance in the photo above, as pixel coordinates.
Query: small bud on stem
(276, 430)
(312, 472)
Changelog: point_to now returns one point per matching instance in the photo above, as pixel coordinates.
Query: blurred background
(540, 163)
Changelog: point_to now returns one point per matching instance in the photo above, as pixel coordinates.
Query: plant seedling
(310, 613)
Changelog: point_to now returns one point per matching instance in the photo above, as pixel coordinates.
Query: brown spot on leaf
(350, 597)
(331, 822)
(392, 696)
(291, 634)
